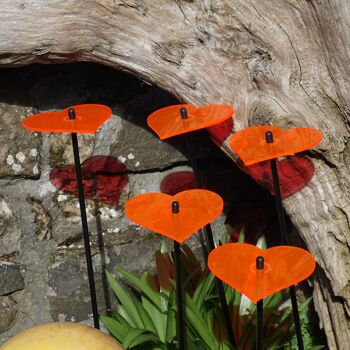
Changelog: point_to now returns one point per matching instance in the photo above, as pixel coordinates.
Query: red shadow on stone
(220, 132)
(177, 182)
(104, 178)
(295, 172)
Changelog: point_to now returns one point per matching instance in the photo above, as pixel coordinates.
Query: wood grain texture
(284, 62)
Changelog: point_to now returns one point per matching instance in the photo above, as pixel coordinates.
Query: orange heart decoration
(88, 118)
(167, 122)
(251, 146)
(235, 264)
(197, 208)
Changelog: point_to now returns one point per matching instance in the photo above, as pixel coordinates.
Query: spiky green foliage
(145, 317)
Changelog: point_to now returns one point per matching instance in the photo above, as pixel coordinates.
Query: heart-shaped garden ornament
(284, 266)
(153, 211)
(169, 121)
(251, 146)
(88, 118)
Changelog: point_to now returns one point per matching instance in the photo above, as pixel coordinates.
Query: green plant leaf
(120, 309)
(209, 316)
(116, 328)
(164, 248)
(247, 340)
(163, 295)
(171, 318)
(224, 345)
(236, 319)
(126, 299)
(304, 305)
(230, 294)
(142, 285)
(272, 301)
(241, 237)
(271, 304)
(261, 242)
(203, 290)
(146, 318)
(246, 307)
(138, 336)
(195, 318)
(159, 319)
(282, 332)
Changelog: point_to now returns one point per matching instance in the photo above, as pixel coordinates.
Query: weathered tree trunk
(284, 62)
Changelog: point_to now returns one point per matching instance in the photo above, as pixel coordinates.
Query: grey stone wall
(42, 263)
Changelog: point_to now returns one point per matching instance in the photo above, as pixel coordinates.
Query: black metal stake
(209, 234)
(180, 319)
(260, 311)
(71, 114)
(285, 240)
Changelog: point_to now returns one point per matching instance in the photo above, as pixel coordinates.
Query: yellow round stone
(61, 336)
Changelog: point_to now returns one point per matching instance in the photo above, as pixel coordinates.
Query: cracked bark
(277, 61)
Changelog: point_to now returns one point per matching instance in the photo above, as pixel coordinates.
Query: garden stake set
(261, 143)
(254, 272)
(180, 120)
(76, 119)
(176, 217)
(258, 273)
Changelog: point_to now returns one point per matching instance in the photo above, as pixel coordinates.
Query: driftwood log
(284, 62)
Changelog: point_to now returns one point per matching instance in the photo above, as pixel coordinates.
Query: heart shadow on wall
(295, 172)
(104, 179)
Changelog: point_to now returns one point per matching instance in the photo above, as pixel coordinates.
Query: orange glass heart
(284, 266)
(251, 146)
(153, 211)
(168, 122)
(88, 118)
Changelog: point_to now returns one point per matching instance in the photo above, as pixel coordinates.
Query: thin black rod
(259, 324)
(85, 231)
(211, 246)
(278, 202)
(199, 184)
(180, 319)
(293, 299)
(285, 240)
(260, 264)
(209, 235)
